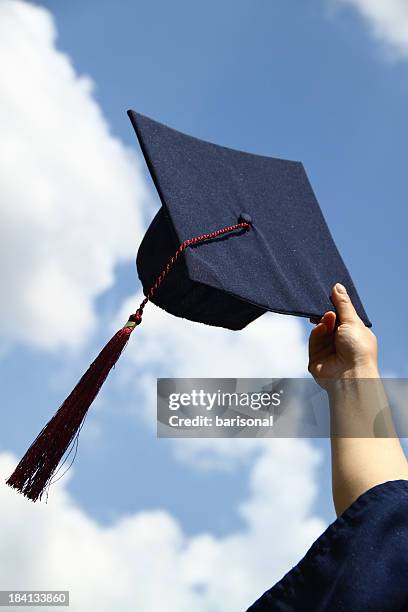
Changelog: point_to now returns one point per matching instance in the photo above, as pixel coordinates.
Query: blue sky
(299, 80)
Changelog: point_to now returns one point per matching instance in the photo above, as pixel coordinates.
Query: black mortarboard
(287, 263)
(253, 239)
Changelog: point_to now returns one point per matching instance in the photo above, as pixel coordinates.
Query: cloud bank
(145, 561)
(70, 192)
(167, 346)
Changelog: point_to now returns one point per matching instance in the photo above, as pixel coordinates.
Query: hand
(348, 351)
(362, 457)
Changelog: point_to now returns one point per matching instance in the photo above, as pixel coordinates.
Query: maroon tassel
(36, 469)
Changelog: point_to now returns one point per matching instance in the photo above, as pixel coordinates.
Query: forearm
(364, 445)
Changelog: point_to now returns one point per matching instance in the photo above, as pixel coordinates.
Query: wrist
(342, 385)
(361, 370)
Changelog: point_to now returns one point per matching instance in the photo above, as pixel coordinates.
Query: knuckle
(344, 299)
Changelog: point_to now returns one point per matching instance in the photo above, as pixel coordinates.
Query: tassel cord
(35, 472)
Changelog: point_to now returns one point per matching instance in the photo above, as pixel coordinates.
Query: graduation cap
(237, 235)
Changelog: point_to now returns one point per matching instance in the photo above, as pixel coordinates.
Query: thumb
(343, 304)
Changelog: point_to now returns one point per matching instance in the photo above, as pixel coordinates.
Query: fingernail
(340, 288)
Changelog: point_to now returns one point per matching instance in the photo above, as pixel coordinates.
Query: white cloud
(388, 21)
(145, 559)
(70, 192)
(167, 346)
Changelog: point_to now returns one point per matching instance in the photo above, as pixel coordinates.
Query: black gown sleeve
(359, 564)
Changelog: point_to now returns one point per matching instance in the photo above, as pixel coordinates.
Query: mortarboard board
(237, 235)
(288, 262)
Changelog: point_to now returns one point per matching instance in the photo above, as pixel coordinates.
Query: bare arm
(343, 360)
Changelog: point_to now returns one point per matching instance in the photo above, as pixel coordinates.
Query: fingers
(321, 335)
(319, 330)
(328, 319)
(343, 304)
(321, 347)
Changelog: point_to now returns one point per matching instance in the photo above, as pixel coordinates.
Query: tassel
(36, 469)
